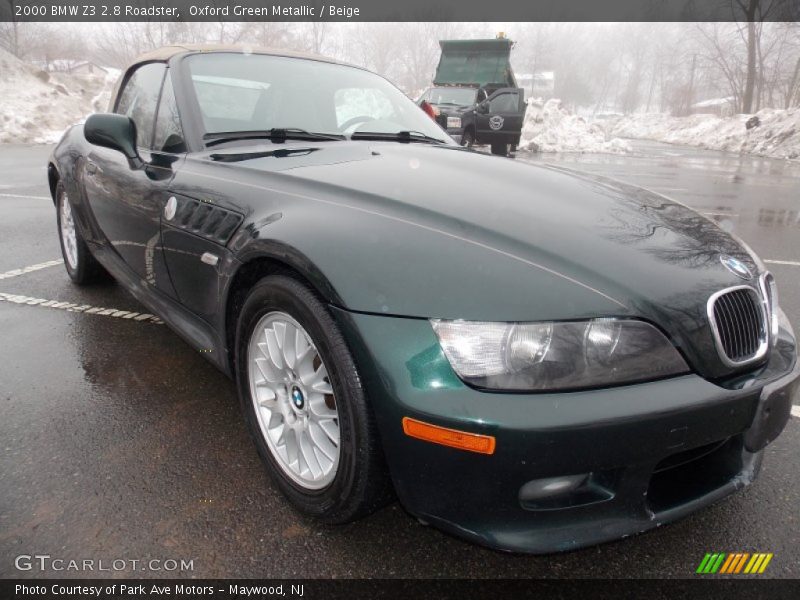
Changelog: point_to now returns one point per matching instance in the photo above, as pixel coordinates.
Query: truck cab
(475, 96)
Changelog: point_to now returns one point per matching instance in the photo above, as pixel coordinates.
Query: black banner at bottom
(351, 589)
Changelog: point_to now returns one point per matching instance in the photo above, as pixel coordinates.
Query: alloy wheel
(294, 400)
(69, 238)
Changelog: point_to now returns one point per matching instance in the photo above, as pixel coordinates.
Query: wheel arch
(53, 177)
(254, 266)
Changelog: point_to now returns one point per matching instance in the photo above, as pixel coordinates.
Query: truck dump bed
(475, 63)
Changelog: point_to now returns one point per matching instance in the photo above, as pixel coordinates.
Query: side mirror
(483, 108)
(117, 132)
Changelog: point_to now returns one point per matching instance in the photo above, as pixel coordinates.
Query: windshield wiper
(400, 136)
(276, 135)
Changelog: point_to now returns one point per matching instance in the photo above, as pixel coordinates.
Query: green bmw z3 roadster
(531, 358)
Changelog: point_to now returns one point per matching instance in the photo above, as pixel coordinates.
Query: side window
(508, 102)
(169, 133)
(139, 98)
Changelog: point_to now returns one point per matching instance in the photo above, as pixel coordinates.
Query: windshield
(457, 96)
(256, 92)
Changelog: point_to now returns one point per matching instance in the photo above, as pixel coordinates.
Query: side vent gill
(206, 220)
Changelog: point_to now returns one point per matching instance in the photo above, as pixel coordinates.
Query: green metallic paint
(430, 370)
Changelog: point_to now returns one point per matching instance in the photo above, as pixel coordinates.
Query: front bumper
(640, 455)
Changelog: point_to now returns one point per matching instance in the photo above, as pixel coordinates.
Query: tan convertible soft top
(167, 52)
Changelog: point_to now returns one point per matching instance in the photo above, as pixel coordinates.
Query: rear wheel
(81, 266)
(305, 405)
(500, 149)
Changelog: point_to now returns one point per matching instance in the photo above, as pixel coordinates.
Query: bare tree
(418, 45)
(372, 45)
(750, 8)
(273, 34)
(9, 30)
(793, 87)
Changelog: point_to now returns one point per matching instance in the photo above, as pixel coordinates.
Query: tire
(358, 483)
(81, 266)
(500, 149)
(468, 139)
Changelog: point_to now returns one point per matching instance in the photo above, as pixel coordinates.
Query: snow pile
(550, 128)
(36, 106)
(773, 132)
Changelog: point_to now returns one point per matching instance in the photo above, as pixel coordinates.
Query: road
(121, 442)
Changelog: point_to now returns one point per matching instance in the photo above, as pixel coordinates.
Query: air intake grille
(739, 325)
(206, 220)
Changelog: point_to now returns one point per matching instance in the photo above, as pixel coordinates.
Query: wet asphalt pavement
(120, 442)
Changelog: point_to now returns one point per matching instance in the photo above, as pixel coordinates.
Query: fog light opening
(566, 491)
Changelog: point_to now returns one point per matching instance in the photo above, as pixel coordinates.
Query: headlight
(454, 122)
(557, 355)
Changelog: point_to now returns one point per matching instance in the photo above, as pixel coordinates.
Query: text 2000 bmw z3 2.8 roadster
(530, 358)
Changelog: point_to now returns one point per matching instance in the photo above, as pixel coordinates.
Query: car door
(499, 117)
(126, 202)
(194, 228)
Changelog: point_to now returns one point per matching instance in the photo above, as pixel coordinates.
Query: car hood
(436, 231)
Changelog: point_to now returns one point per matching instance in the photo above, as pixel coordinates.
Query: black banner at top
(399, 10)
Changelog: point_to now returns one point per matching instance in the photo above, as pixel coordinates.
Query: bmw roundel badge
(735, 266)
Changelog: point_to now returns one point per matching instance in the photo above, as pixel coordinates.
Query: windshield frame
(188, 103)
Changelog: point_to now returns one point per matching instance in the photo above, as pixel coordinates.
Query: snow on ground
(550, 128)
(777, 134)
(36, 106)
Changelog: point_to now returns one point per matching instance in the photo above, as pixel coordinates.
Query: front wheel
(82, 267)
(468, 139)
(304, 403)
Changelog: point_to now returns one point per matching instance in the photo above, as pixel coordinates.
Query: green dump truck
(475, 96)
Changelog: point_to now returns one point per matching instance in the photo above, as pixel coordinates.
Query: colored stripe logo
(734, 563)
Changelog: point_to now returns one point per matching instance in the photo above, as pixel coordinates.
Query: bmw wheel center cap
(298, 399)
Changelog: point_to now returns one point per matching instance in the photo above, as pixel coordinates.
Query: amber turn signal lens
(484, 444)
